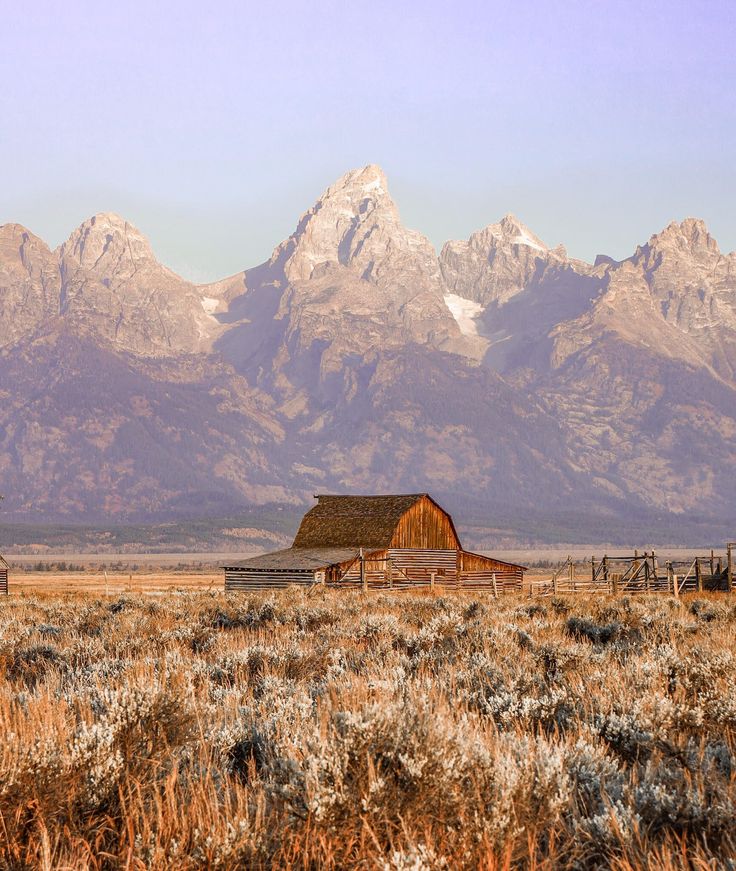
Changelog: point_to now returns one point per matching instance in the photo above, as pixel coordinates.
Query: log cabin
(3, 576)
(376, 542)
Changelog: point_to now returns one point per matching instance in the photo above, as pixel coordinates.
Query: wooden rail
(640, 573)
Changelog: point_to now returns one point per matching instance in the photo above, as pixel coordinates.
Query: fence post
(675, 583)
(729, 566)
(390, 573)
(605, 569)
(698, 575)
(655, 570)
(363, 578)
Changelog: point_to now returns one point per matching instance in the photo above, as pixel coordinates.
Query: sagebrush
(334, 730)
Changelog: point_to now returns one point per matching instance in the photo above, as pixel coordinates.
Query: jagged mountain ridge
(500, 373)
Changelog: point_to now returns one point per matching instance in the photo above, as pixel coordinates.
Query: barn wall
(477, 572)
(411, 568)
(348, 574)
(420, 564)
(3, 581)
(266, 579)
(400, 568)
(473, 562)
(425, 525)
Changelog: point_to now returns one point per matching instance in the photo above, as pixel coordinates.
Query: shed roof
(349, 521)
(298, 558)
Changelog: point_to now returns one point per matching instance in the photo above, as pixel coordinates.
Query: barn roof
(297, 558)
(352, 521)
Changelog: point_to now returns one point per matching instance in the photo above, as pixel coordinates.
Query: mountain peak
(16, 240)
(511, 229)
(368, 181)
(690, 235)
(12, 230)
(106, 238)
(354, 222)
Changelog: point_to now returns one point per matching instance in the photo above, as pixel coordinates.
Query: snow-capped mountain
(510, 379)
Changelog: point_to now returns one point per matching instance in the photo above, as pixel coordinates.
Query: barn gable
(425, 525)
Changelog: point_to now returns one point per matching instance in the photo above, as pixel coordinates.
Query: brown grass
(204, 730)
(150, 580)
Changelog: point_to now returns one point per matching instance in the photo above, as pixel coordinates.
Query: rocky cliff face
(30, 283)
(113, 284)
(509, 379)
(496, 263)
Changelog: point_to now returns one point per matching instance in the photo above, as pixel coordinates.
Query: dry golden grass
(332, 730)
(150, 580)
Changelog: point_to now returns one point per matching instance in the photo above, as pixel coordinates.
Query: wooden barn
(376, 542)
(3, 576)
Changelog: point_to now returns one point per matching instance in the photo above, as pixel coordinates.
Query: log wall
(266, 579)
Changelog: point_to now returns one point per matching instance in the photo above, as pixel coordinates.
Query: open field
(335, 730)
(118, 583)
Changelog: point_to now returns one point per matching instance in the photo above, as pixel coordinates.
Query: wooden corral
(376, 542)
(641, 573)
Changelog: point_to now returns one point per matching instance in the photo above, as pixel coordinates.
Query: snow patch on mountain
(524, 239)
(465, 312)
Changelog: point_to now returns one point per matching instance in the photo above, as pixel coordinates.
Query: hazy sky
(213, 126)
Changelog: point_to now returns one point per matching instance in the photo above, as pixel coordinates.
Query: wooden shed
(376, 542)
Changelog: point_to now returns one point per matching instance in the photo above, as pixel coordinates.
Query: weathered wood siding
(266, 579)
(375, 568)
(3, 581)
(477, 571)
(404, 568)
(425, 525)
(419, 564)
(412, 568)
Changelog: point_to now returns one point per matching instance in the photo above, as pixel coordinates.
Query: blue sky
(213, 127)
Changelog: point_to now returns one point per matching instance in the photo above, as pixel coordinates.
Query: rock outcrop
(30, 283)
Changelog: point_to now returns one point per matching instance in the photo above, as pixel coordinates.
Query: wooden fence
(640, 573)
